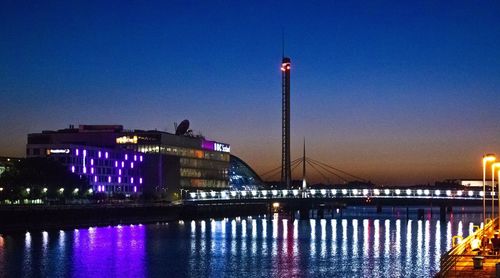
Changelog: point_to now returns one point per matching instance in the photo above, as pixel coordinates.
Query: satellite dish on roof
(182, 128)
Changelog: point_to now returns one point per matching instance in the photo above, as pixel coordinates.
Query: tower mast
(286, 172)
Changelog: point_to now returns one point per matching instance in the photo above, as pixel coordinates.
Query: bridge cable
(338, 170)
(278, 168)
(323, 175)
(329, 171)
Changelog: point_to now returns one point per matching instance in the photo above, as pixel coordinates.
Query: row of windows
(103, 171)
(205, 164)
(183, 152)
(109, 179)
(118, 188)
(203, 183)
(204, 173)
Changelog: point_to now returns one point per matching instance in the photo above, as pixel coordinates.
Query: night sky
(395, 92)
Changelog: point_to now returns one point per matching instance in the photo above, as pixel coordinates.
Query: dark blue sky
(396, 92)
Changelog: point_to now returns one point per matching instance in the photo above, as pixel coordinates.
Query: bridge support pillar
(442, 213)
(421, 213)
(304, 213)
(321, 213)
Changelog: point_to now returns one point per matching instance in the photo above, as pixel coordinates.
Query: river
(356, 243)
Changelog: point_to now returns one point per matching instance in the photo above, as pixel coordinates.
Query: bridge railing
(462, 194)
(459, 252)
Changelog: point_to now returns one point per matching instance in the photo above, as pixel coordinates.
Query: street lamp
(498, 175)
(486, 158)
(493, 165)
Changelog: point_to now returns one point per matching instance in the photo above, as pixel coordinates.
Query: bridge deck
(459, 261)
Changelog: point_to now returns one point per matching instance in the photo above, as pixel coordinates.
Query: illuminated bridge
(343, 194)
(325, 199)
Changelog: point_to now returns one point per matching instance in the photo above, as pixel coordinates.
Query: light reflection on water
(249, 246)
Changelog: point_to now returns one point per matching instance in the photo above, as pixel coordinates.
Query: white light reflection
(45, 240)
(62, 236)
(223, 227)
(408, 261)
(333, 223)
(193, 228)
(398, 237)
(323, 238)
(27, 241)
(420, 236)
(344, 237)
(213, 226)
(322, 222)
(460, 231)
(437, 253)
(285, 229)
(387, 240)
(264, 228)
(376, 238)
(254, 228)
(203, 227)
(295, 229)
(355, 237)
(312, 223)
(427, 241)
(448, 236)
(275, 228)
(243, 228)
(366, 240)
(233, 228)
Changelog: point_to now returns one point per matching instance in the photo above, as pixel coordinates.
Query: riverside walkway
(459, 261)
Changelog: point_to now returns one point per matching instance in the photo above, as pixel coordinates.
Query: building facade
(136, 161)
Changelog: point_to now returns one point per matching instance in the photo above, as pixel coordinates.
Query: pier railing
(459, 253)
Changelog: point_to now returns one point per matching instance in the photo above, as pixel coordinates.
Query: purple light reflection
(110, 252)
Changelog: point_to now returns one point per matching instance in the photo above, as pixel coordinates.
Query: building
(136, 161)
(7, 162)
(476, 183)
(242, 176)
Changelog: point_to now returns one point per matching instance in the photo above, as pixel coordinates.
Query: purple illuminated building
(136, 162)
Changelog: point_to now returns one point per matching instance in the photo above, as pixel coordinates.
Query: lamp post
(498, 176)
(493, 165)
(486, 158)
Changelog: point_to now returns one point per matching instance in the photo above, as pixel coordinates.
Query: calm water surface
(357, 244)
